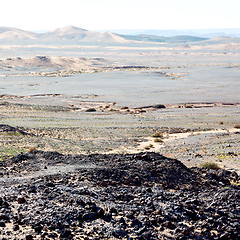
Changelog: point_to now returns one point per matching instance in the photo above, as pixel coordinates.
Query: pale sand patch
(156, 146)
(175, 136)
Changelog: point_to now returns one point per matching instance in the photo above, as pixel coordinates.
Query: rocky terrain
(65, 66)
(147, 147)
(131, 196)
(41, 63)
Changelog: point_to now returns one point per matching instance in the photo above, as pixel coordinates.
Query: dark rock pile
(13, 130)
(138, 196)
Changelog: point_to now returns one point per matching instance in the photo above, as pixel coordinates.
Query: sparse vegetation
(159, 106)
(148, 147)
(7, 152)
(210, 165)
(237, 126)
(157, 135)
(188, 106)
(32, 149)
(91, 110)
(158, 140)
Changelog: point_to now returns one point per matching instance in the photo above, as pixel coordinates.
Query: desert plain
(107, 139)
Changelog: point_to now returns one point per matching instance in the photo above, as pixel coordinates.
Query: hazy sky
(120, 14)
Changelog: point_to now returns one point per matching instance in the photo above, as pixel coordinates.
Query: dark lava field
(47, 195)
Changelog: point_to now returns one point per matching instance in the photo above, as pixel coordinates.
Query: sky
(40, 15)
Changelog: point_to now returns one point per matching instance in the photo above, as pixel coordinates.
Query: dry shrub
(32, 149)
(157, 135)
(148, 147)
(157, 140)
(91, 110)
(210, 165)
(237, 126)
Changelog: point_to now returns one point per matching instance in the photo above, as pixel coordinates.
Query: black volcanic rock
(9, 129)
(143, 196)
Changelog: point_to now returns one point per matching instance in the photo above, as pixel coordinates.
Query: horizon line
(126, 29)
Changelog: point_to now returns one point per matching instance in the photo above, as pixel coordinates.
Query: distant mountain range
(75, 35)
(161, 39)
(72, 33)
(204, 33)
(69, 33)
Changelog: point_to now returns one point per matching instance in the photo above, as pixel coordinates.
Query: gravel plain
(117, 154)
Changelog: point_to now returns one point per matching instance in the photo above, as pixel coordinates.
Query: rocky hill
(74, 35)
(14, 34)
(50, 63)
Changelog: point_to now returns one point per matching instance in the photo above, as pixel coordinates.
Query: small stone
(136, 222)
(99, 212)
(66, 234)
(2, 224)
(119, 233)
(15, 228)
(29, 237)
(5, 204)
(90, 216)
(107, 217)
(169, 225)
(4, 217)
(91, 110)
(113, 210)
(21, 200)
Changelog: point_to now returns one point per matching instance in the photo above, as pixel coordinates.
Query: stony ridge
(131, 196)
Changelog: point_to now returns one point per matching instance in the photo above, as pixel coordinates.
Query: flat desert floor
(111, 105)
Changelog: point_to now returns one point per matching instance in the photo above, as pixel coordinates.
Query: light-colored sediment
(156, 146)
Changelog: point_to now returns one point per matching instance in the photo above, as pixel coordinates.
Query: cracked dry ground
(47, 195)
